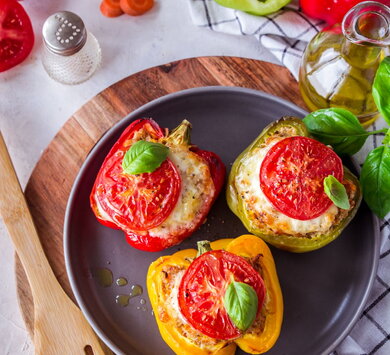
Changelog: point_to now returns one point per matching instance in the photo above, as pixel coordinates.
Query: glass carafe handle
(368, 23)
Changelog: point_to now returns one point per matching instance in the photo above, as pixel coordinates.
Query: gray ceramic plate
(324, 291)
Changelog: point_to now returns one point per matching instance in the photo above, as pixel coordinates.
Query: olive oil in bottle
(339, 64)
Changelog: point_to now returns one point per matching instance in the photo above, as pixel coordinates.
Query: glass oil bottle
(339, 64)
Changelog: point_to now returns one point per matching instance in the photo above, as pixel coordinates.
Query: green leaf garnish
(144, 157)
(381, 89)
(336, 192)
(375, 179)
(339, 128)
(386, 140)
(241, 304)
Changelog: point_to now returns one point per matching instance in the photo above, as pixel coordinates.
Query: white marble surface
(33, 107)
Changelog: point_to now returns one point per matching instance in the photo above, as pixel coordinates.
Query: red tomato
(16, 34)
(292, 176)
(332, 11)
(202, 290)
(135, 202)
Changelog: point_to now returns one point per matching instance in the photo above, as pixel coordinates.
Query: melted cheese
(265, 215)
(196, 195)
(172, 301)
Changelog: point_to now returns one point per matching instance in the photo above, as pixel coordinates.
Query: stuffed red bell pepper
(155, 186)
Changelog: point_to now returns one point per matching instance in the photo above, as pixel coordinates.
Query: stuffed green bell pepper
(291, 190)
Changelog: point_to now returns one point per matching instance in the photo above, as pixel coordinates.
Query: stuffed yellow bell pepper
(225, 295)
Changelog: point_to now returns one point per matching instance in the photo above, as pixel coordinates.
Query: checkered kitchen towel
(285, 34)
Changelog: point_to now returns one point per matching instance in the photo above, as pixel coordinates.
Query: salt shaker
(71, 53)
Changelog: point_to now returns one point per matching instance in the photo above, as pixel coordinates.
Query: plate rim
(129, 118)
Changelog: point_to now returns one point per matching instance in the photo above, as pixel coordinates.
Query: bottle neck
(366, 28)
(368, 23)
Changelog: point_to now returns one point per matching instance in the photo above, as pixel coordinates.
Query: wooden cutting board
(50, 183)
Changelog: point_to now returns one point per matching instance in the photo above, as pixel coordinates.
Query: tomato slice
(135, 202)
(202, 290)
(16, 34)
(292, 176)
(140, 202)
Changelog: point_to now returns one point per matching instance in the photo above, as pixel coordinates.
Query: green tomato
(255, 7)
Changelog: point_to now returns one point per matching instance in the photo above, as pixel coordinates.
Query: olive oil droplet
(104, 277)
(136, 290)
(121, 281)
(122, 300)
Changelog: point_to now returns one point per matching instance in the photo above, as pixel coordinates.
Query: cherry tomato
(292, 176)
(135, 202)
(202, 290)
(16, 34)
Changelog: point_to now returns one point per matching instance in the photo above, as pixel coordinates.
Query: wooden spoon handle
(18, 220)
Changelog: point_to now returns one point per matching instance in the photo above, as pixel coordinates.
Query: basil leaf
(375, 180)
(337, 127)
(336, 192)
(241, 304)
(144, 157)
(381, 89)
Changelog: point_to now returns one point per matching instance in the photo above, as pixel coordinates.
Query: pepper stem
(203, 247)
(181, 135)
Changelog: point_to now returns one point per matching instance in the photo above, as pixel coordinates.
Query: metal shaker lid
(64, 33)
